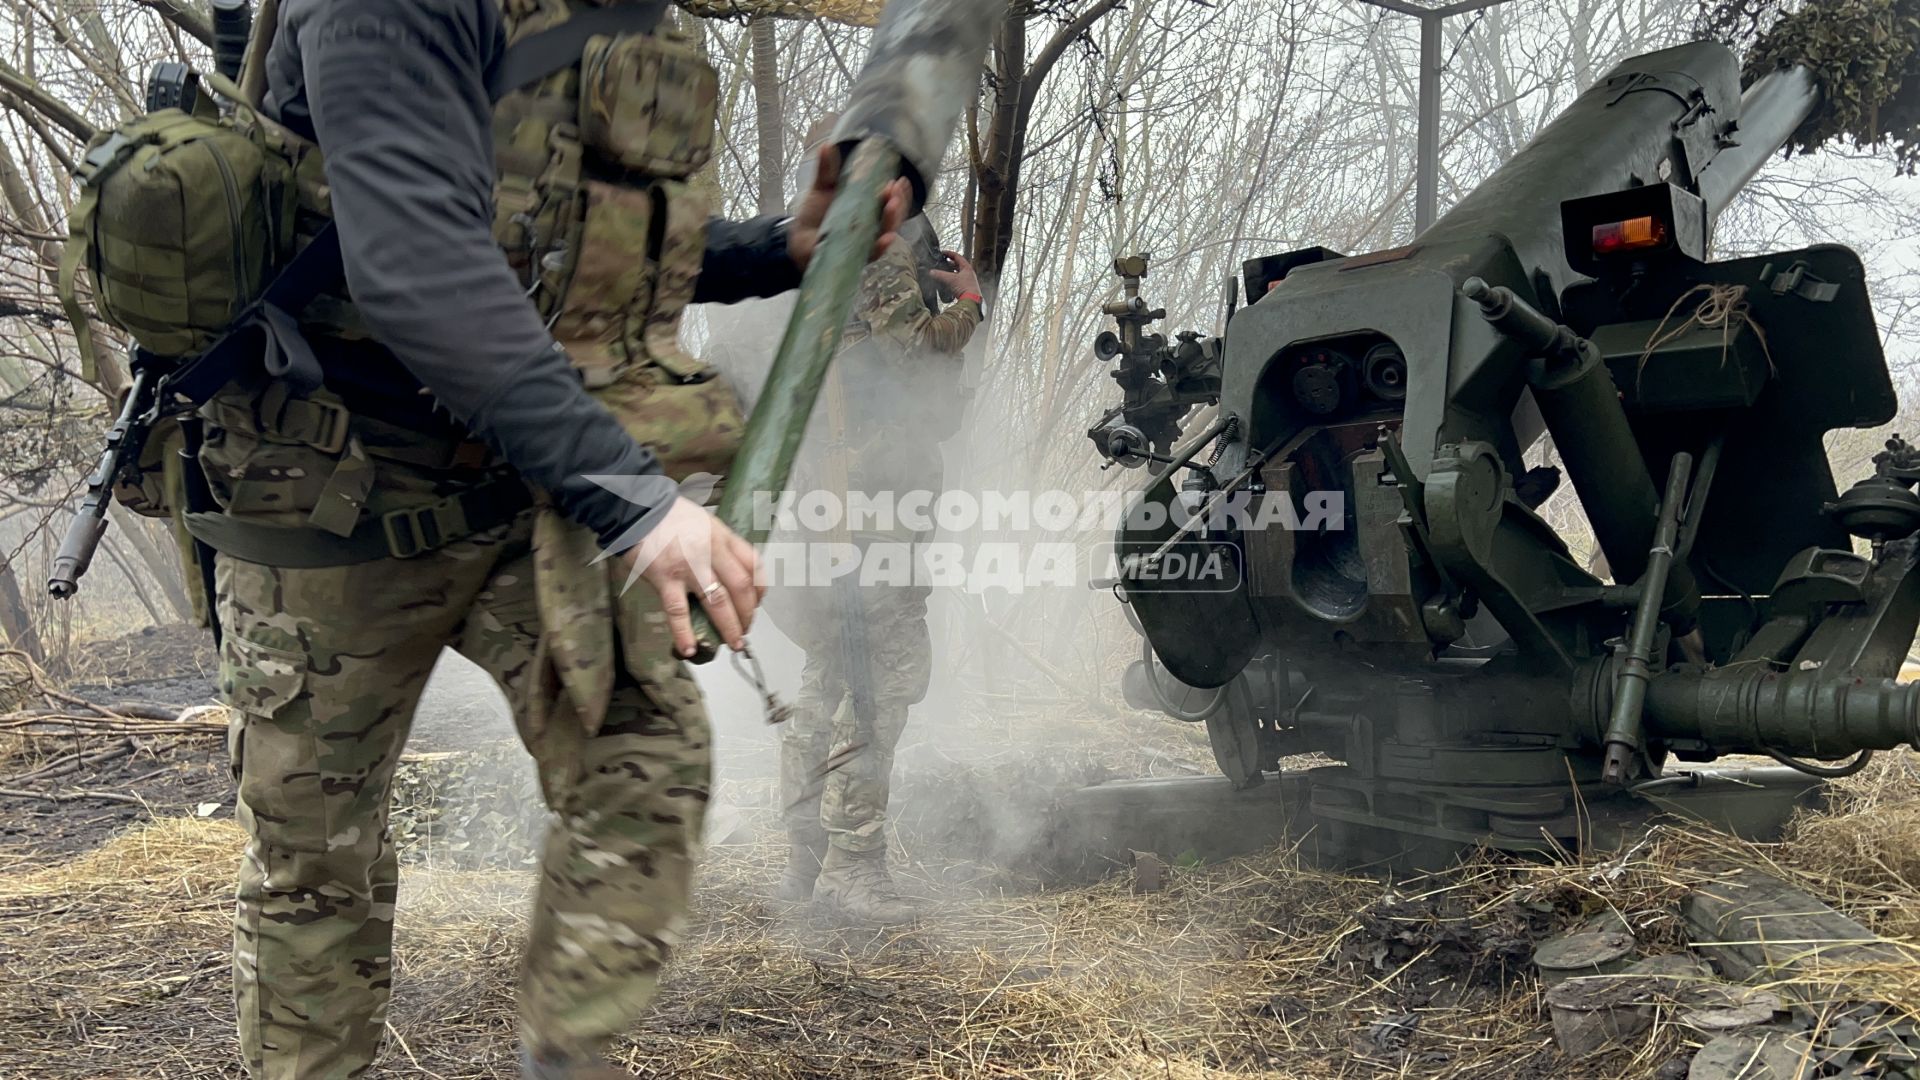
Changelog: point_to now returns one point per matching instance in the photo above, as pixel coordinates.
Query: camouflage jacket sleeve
(890, 309)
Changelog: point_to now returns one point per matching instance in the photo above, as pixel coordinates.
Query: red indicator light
(1634, 234)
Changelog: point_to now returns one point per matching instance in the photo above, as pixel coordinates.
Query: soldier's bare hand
(803, 232)
(961, 279)
(692, 554)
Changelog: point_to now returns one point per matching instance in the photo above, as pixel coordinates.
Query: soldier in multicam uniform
(900, 372)
(434, 491)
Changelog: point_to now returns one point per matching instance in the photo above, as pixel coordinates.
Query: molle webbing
(398, 534)
(329, 426)
(181, 218)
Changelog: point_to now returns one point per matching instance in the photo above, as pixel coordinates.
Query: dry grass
(116, 963)
(1864, 854)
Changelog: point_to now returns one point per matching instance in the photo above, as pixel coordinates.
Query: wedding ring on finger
(713, 590)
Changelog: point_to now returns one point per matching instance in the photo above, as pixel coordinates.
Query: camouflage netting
(1865, 54)
(469, 810)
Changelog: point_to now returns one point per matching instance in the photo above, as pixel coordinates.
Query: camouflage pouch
(621, 325)
(156, 487)
(653, 327)
(629, 279)
(647, 104)
(181, 220)
(591, 619)
(694, 427)
(575, 655)
(265, 478)
(608, 277)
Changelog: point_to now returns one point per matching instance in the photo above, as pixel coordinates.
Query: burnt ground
(90, 784)
(160, 672)
(157, 777)
(163, 665)
(114, 924)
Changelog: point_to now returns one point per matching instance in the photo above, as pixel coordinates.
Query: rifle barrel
(124, 442)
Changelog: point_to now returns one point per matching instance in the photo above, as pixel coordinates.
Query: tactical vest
(596, 213)
(593, 204)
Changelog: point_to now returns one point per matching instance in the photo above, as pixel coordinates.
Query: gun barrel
(124, 441)
(1771, 110)
(1817, 712)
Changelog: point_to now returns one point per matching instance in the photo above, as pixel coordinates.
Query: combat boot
(855, 888)
(805, 849)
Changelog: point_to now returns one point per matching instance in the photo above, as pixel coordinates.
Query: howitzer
(1430, 629)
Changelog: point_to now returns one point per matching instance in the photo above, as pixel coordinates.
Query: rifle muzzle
(75, 554)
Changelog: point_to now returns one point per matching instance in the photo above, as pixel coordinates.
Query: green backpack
(182, 219)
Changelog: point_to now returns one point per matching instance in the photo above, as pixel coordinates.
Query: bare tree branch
(185, 16)
(33, 119)
(45, 316)
(1065, 36)
(45, 103)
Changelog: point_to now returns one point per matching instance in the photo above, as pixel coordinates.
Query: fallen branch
(45, 689)
(67, 763)
(76, 726)
(73, 796)
(125, 710)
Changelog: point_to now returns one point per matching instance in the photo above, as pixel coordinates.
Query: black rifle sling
(309, 273)
(539, 55)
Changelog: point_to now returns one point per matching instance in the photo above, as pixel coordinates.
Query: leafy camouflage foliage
(1865, 55)
(471, 810)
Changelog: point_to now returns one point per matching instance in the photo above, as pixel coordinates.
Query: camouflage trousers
(850, 801)
(324, 668)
